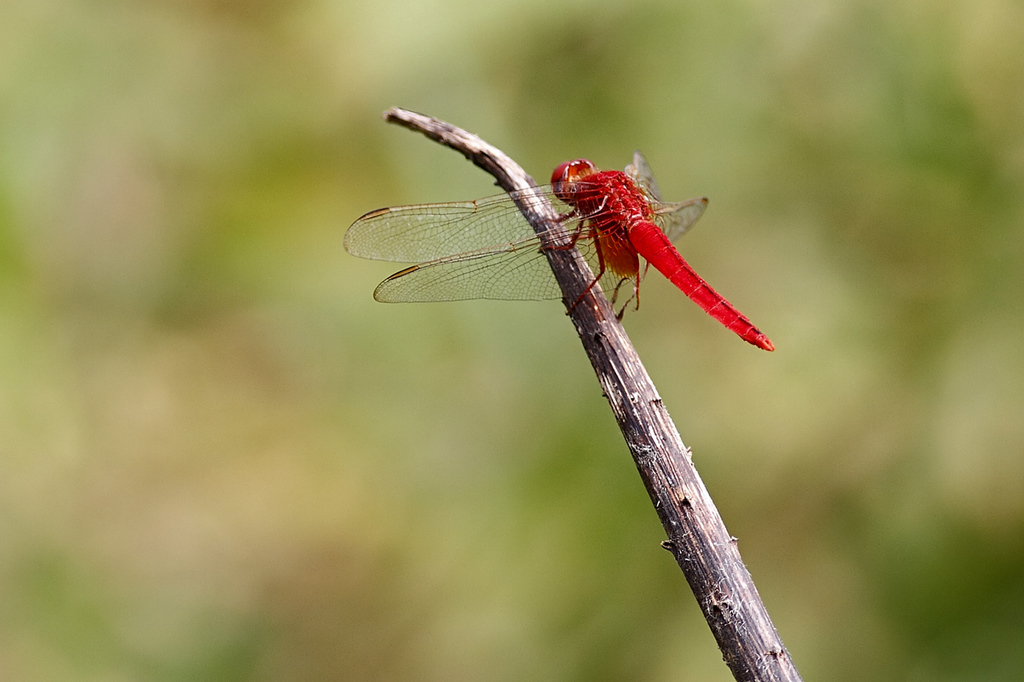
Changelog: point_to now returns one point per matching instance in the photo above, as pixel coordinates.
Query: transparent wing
(486, 248)
(642, 176)
(472, 249)
(676, 218)
(426, 232)
(519, 271)
(516, 272)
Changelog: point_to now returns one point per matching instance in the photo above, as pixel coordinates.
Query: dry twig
(697, 536)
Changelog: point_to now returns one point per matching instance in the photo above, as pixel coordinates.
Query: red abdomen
(651, 243)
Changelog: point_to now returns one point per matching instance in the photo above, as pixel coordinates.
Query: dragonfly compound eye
(568, 173)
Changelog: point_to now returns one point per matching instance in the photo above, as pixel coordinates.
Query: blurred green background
(221, 460)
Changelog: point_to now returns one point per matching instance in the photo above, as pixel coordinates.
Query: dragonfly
(486, 248)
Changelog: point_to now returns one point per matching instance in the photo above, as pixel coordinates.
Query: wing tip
(380, 294)
(352, 233)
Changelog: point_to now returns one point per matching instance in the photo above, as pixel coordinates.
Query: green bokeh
(221, 460)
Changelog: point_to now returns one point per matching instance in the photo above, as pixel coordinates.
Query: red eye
(570, 172)
(559, 174)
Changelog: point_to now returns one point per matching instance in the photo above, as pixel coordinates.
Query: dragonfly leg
(562, 217)
(615, 296)
(573, 237)
(635, 296)
(615, 292)
(640, 274)
(600, 273)
(586, 291)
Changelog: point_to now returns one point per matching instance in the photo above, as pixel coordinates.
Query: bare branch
(697, 536)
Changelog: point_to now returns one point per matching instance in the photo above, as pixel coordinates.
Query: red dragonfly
(487, 249)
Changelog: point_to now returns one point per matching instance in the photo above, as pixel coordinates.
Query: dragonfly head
(564, 177)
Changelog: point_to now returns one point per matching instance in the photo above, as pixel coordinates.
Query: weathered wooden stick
(697, 536)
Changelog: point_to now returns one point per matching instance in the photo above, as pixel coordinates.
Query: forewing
(427, 232)
(642, 175)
